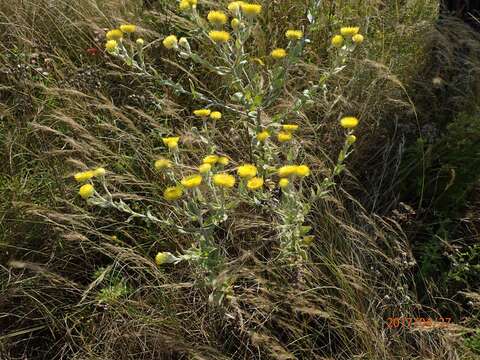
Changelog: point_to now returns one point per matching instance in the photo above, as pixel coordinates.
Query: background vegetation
(397, 237)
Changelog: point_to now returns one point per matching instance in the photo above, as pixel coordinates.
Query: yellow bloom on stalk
(162, 258)
(351, 139)
(99, 171)
(210, 159)
(219, 36)
(224, 180)
(84, 176)
(191, 181)
(302, 171)
(216, 115)
(263, 135)
(217, 17)
(86, 191)
(161, 164)
(255, 183)
(284, 136)
(184, 5)
(202, 112)
(290, 127)
(235, 6)
(140, 42)
(337, 41)
(357, 38)
(283, 183)
(115, 34)
(128, 28)
(349, 30)
(204, 168)
(170, 42)
(278, 53)
(247, 171)
(111, 46)
(193, 3)
(172, 193)
(235, 23)
(294, 34)
(251, 9)
(171, 142)
(287, 170)
(349, 122)
(223, 160)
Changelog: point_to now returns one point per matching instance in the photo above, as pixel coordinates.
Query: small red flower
(92, 51)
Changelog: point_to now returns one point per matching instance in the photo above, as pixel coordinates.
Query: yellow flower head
(86, 191)
(337, 41)
(287, 170)
(278, 53)
(171, 142)
(191, 181)
(140, 42)
(193, 3)
(210, 159)
(204, 168)
(263, 135)
(351, 139)
(161, 164)
(128, 28)
(255, 183)
(284, 136)
(170, 42)
(357, 38)
(99, 171)
(184, 5)
(223, 160)
(294, 34)
(111, 45)
(283, 183)
(251, 9)
(219, 36)
(162, 258)
(235, 23)
(224, 180)
(247, 171)
(235, 6)
(302, 171)
(349, 122)
(349, 30)
(290, 127)
(115, 34)
(172, 193)
(84, 176)
(202, 112)
(217, 17)
(216, 115)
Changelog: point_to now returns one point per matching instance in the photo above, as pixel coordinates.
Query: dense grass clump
(190, 187)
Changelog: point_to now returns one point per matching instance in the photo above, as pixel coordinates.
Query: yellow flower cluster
(204, 113)
(278, 53)
(171, 142)
(247, 171)
(161, 164)
(219, 36)
(217, 17)
(293, 170)
(250, 10)
(128, 28)
(87, 175)
(170, 42)
(224, 180)
(349, 122)
(293, 34)
(349, 31)
(187, 4)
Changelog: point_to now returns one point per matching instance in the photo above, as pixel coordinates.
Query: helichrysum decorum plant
(202, 196)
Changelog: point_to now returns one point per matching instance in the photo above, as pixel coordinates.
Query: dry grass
(61, 267)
